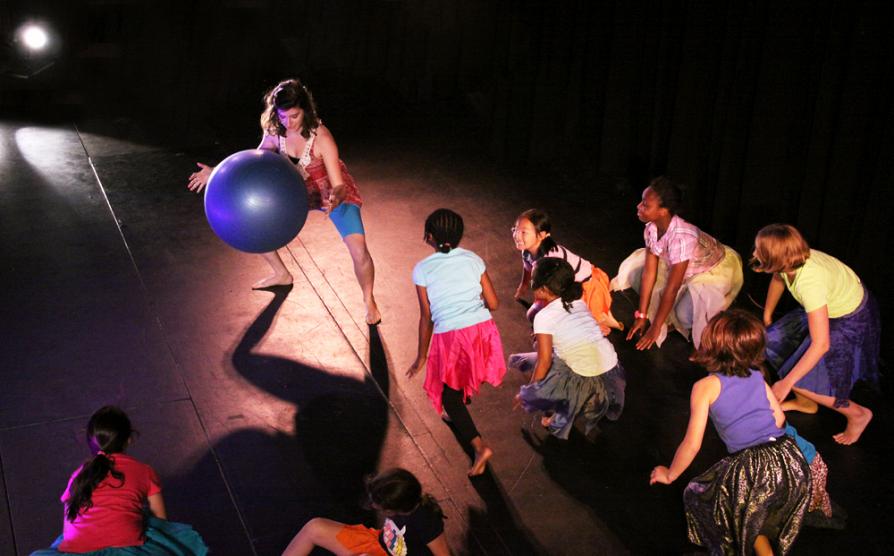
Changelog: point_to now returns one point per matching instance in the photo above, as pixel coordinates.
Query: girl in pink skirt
(455, 300)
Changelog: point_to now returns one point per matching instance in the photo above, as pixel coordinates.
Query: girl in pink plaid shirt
(683, 275)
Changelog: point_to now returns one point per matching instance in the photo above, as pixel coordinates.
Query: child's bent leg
(857, 416)
(280, 277)
(317, 532)
(365, 271)
(800, 404)
(456, 408)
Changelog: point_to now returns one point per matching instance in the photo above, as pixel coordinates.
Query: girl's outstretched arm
(704, 392)
(774, 294)
(818, 325)
(488, 293)
(646, 284)
(668, 297)
(157, 506)
(425, 330)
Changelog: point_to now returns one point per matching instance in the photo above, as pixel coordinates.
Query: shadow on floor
(281, 480)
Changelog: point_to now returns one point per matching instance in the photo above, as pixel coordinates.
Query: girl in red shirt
(108, 497)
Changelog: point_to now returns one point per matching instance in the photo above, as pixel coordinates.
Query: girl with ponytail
(108, 499)
(575, 368)
(456, 298)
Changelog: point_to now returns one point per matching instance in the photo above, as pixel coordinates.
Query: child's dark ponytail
(558, 277)
(108, 433)
(445, 228)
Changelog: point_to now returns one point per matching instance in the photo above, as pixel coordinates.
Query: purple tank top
(742, 413)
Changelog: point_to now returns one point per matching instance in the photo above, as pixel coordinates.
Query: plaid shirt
(684, 242)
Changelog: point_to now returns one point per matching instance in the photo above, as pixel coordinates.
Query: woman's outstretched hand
(199, 179)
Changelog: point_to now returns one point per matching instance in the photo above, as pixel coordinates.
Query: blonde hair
(779, 247)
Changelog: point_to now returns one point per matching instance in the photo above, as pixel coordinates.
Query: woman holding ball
(291, 127)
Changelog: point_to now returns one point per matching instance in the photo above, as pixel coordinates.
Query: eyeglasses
(517, 230)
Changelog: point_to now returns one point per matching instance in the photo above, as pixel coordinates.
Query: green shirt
(824, 280)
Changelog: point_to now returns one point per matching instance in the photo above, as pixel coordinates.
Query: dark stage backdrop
(766, 110)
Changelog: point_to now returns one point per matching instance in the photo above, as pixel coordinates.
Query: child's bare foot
(373, 316)
(273, 280)
(609, 320)
(855, 427)
(801, 404)
(480, 463)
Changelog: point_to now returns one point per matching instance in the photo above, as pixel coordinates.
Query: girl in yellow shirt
(823, 348)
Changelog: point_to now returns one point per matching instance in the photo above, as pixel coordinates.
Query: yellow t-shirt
(824, 280)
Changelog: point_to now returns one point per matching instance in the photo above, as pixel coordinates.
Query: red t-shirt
(116, 517)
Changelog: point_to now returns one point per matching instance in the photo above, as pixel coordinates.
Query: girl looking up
(531, 234)
(683, 275)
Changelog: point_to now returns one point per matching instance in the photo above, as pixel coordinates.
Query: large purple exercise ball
(256, 201)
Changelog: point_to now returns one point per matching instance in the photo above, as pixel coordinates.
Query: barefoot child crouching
(755, 498)
(576, 369)
(823, 348)
(455, 300)
(113, 503)
(532, 236)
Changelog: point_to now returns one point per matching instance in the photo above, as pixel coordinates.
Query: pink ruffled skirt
(464, 359)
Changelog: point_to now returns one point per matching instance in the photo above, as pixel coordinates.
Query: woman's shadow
(279, 480)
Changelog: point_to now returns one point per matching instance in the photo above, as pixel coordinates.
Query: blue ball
(256, 201)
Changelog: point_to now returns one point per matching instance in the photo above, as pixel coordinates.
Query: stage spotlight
(34, 37)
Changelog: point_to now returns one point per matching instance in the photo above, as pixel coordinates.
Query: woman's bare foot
(856, 424)
(373, 316)
(801, 404)
(480, 464)
(273, 280)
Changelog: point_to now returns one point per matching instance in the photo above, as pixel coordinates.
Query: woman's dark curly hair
(286, 95)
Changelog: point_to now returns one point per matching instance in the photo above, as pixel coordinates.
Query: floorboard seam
(12, 530)
(84, 417)
(521, 475)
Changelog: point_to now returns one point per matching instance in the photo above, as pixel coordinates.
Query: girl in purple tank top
(755, 498)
